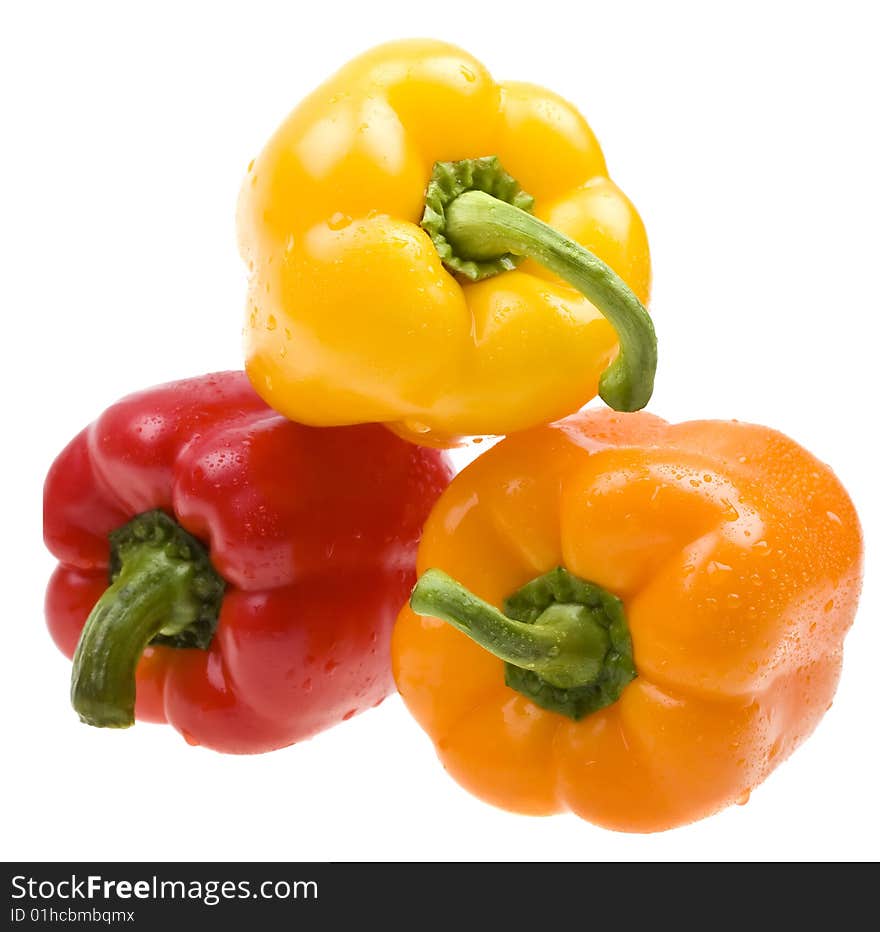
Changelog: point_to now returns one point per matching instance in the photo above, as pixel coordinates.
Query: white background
(748, 140)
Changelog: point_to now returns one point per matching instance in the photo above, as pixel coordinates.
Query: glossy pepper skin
(352, 315)
(737, 556)
(312, 534)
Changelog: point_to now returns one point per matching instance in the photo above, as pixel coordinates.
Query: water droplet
(271, 322)
(417, 427)
(467, 74)
(339, 221)
(348, 714)
(833, 517)
(731, 514)
(743, 798)
(716, 566)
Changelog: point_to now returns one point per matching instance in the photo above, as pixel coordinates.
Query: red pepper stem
(132, 611)
(163, 587)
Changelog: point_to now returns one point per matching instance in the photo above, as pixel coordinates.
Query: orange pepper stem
(565, 641)
(478, 218)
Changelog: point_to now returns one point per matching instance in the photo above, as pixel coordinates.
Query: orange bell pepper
(684, 633)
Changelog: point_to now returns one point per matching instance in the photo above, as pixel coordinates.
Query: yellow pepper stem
(481, 227)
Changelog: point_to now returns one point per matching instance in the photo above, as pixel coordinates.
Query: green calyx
(565, 642)
(163, 590)
(449, 181)
(480, 222)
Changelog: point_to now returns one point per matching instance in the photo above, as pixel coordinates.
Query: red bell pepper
(255, 565)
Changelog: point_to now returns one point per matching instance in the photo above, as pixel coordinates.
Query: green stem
(481, 227)
(164, 589)
(565, 648)
(565, 641)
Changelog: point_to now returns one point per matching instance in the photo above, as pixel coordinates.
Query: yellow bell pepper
(399, 274)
